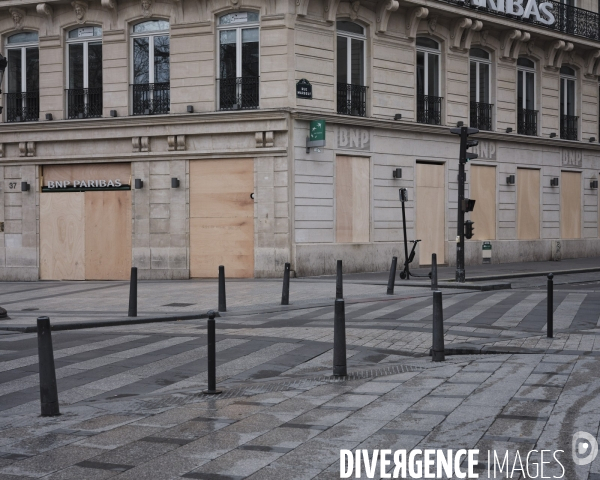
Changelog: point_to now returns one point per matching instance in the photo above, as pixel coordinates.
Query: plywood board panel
(528, 204)
(107, 235)
(353, 199)
(96, 171)
(62, 236)
(483, 191)
(222, 218)
(570, 205)
(430, 219)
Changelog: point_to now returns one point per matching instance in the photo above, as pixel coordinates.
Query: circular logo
(585, 448)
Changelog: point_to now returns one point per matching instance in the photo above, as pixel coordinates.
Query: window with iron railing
(150, 92)
(351, 97)
(84, 95)
(429, 101)
(480, 89)
(568, 118)
(238, 82)
(22, 76)
(526, 91)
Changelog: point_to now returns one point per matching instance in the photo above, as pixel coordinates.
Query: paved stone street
(132, 405)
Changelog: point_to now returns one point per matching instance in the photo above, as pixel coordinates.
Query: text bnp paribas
(525, 9)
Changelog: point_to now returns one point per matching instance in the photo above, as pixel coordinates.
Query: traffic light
(469, 229)
(468, 205)
(465, 143)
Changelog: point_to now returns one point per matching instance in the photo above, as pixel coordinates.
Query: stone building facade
(170, 135)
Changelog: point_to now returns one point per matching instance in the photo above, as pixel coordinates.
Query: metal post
(339, 339)
(392, 279)
(405, 243)
(222, 300)
(550, 304)
(48, 390)
(285, 294)
(434, 275)
(460, 246)
(437, 352)
(212, 356)
(339, 286)
(132, 312)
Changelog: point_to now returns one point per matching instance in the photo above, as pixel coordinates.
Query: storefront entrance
(85, 225)
(430, 219)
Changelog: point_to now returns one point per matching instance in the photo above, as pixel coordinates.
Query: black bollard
(550, 302)
(390, 289)
(434, 277)
(48, 390)
(285, 294)
(222, 300)
(212, 356)
(339, 286)
(132, 312)
(339, 339)
(437, 352)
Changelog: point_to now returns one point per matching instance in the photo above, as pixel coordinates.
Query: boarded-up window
(483, 191)
(352, 199)
(570, 205)
(431, 219)
(528, 204)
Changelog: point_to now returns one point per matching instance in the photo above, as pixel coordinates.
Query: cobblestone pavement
(132, 408)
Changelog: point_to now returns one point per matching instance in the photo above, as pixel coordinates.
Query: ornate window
(429, 102)
(526, 112)
(23, 77)
(151, 89)
(568, 120)
(239, 72)
(351, 89)
(84, 93)
(480, 89)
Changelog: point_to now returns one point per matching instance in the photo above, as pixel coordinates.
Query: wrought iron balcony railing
(351, 99)
(23, 107)
(481, 115)
(568, 127)
(429, 109)
(84, 102)
(567, 19)
(151, 98)
(527, 122)
(238, 93)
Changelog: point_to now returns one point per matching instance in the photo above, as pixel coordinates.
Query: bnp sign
(316, 136)
(523, 9)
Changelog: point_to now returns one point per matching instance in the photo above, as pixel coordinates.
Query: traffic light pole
(460, 222)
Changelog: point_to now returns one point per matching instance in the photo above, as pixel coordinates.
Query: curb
(104, 323)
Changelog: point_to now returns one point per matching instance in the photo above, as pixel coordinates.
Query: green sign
(317, 130)
(486, 246)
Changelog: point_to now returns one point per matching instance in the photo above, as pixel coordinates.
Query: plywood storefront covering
(222, 218)
(570, 205)
(107, 235)
(430, 206)
(352, 199)
(483, 191)
(62, 236)
(528, 204)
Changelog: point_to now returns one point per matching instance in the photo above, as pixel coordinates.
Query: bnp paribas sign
(524, 9)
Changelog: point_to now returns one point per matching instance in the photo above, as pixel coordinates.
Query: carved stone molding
(354, 8)
(559, 57)
(331, 7)
(18, 16)
(508, 37)
(269, 139)
(135, 144)
(109, 4)
(432, 24)
(171, 142)
(414, 17)
(456, 32)
(384, 11)
(1, 150)
(525, 36)
(302, 7)
(44, 9)
(80, 9)
(144, 144)
(591, 67)
(146, 7)
(551, 52)
(180, 142)
(260, 139)
(468, 36)
(26, 149)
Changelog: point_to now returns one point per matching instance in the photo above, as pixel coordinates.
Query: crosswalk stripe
(349, 309)
(295, 313)
(428, 310)
(66, 352)
(234, 367)
(519, 311)
(387, 309)
(470, 313)
(566, 311)
(63, 372)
